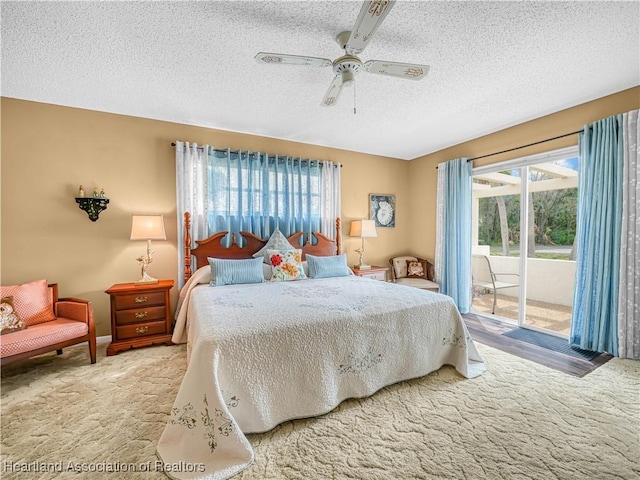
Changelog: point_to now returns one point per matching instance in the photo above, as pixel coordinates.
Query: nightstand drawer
(140, 330)
(373, 273)
(382, 276)
(139, 300)
(126, 317)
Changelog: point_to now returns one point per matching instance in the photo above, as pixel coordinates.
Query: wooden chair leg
(92, 349)
(59, 351)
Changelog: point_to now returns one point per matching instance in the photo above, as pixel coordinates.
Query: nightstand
(140, 315)
(374, 273)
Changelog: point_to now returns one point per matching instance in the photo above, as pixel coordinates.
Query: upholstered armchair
(413, 272)
(36, 321)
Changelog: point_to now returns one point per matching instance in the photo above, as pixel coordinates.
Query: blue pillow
(234, 272)
(325, 267)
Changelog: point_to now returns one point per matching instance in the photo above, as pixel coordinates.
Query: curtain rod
(522, 146)
(238, 152)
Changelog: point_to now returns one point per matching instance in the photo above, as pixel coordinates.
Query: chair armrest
(431, 270)
(74, 309)
(512, 274)
(393, 270)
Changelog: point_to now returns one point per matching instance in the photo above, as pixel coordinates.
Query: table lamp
(363, 229)
(147, 227)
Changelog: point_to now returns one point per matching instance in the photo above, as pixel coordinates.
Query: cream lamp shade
(363, 229)
(147, 227)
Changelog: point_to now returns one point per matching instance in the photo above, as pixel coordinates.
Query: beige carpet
(519, 420)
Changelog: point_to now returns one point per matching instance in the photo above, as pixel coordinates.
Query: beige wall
(423, 173)
(48, 151)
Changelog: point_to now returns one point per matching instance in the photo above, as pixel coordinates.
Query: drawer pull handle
(142, 330)
(140, 315)
(141, 299)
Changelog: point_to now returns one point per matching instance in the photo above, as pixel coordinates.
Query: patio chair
(494, 284)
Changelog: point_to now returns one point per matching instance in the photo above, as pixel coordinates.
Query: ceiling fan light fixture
(348, 78)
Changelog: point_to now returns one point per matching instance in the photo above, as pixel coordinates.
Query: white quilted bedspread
(260, 354)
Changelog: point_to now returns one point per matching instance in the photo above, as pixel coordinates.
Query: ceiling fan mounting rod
(342, 38)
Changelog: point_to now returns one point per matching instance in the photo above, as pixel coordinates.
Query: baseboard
(103, 339)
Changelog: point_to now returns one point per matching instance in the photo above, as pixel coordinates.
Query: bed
(260, 354)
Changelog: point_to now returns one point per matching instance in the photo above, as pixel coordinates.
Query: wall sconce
(147, 227)
(363, 229)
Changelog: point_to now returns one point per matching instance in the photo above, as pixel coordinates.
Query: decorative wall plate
(382, 209)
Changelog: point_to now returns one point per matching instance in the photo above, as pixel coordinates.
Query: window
(254, 192)
(259, 193)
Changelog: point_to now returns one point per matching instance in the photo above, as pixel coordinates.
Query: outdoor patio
(539, 314)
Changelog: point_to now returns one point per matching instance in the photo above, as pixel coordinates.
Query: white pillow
(277, 241)
(266, 271)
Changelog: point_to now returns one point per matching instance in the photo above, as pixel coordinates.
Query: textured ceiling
(493, 65)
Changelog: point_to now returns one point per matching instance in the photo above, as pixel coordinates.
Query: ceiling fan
(353, 42)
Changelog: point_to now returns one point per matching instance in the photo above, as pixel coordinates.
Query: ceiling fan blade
(412, 71)
(283, 59)
(372, 13)
(331, 97)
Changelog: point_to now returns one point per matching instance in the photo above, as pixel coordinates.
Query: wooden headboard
(212, 246)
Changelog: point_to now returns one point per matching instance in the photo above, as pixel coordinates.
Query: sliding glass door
(495, 265)
(524, 226)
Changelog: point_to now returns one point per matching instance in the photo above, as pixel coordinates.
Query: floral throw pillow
(416, 269)
(9, 319)
(286, 265)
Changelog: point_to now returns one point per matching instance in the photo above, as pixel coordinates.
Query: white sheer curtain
(629, 291)
(191, 195)
(330, 198)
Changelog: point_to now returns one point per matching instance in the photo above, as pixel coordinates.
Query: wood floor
(489, 331)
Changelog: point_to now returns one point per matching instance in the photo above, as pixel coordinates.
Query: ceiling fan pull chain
(354, 98)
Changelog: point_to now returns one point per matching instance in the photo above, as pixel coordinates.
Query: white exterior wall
(549, 281)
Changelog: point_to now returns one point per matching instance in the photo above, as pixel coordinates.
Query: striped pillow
(234, 272)
(326, 267)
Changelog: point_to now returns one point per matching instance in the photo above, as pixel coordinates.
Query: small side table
(374, 273)
(140, 315)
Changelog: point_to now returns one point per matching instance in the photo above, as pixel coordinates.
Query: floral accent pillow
(277, 241)
(286, 265)
(416, 269)
(9, 319)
